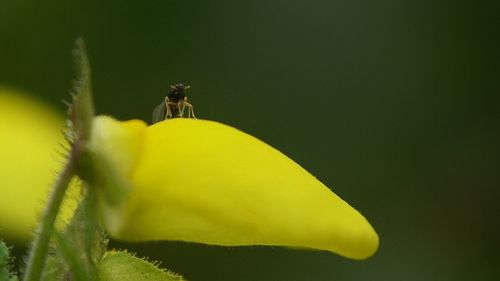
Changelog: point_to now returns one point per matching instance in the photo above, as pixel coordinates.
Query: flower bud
(205, 182)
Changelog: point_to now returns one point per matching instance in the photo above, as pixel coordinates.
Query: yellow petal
(202, 181)
(30, 135)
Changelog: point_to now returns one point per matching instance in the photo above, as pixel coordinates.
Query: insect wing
(159, 113)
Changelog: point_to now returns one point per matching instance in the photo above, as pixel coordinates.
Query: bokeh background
(393, 104)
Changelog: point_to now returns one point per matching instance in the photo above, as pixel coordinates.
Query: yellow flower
(30, 134)
(205, 182)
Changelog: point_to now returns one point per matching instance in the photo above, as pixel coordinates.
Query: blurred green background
(394, 104)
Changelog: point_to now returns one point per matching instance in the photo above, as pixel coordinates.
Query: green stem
(40, 245)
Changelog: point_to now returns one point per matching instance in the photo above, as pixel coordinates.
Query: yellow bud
(205, 182)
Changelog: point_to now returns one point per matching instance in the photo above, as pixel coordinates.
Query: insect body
(174, 105)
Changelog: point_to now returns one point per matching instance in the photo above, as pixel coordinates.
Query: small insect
(174, 105)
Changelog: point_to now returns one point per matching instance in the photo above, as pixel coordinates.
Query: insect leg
(190, 110)
(169, 112)
(182, 106)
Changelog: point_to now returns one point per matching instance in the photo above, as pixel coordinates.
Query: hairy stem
(38, 254)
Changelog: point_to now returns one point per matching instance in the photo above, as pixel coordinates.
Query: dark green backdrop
(394, 104)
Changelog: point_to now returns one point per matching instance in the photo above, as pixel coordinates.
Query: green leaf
(122, 266)
(5, 274)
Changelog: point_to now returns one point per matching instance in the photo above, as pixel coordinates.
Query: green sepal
(96, 170)
(83, 244)
(85, 231)
(81, 112)
(54, 269)
(80, 247)
(122, 266)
